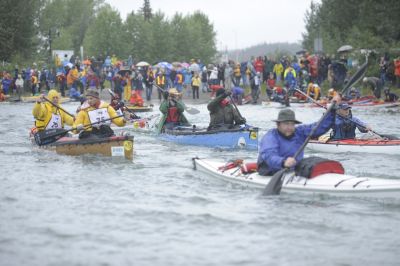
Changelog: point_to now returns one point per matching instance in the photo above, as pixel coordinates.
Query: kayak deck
(357, 145)
(332, 184)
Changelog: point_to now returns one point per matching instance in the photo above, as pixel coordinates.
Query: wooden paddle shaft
(59, 107)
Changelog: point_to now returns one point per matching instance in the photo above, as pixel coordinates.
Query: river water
(156, 210)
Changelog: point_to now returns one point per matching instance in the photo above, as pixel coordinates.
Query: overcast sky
(238, 24)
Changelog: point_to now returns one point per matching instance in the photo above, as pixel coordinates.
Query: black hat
(344, 106)
(220, 92)
(286, 115)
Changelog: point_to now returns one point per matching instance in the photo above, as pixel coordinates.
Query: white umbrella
(345, 48)
(142, 64)
(194, 67)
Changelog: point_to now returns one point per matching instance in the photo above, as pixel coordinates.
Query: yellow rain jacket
(84, 119)
(313, 91)
(44, 113)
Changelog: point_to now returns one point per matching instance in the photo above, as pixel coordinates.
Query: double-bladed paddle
(390, 137)
(237, 109)
(356, 77)
(52, 135)
(274, 186)
(59, 107)
(190, 110)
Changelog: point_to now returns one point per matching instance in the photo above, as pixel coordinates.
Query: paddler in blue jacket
(345, 124)
(281, 143)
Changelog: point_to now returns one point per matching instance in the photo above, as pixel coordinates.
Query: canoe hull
(331, 184)
(364, 146)
(118, 146)
(242, 139)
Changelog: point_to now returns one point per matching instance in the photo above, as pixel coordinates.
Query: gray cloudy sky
(238, 24)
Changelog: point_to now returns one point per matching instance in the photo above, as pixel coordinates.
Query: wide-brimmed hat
(174, 91)
(92, 92)
(286, 115)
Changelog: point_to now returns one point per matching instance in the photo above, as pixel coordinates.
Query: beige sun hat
(174, 91)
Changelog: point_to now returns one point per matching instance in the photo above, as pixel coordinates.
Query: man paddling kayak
(345, 124)
(278, 146)
(49, 115)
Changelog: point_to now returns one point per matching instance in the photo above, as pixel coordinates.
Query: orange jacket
(397, 67)
(136, 99)
(72, 76)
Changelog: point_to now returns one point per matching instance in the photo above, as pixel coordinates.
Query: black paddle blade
(356, 77)
(49, 136)
(389, 137)
(275, 184)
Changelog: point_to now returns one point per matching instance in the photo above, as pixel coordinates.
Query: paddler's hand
(289, 162)
(79, 127)
(40, 99)
(227, 94)
(127, 115)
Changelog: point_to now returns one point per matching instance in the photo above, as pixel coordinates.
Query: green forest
(366, 24)
(31, 28)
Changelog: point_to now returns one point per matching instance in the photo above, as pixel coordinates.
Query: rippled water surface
(156, 210)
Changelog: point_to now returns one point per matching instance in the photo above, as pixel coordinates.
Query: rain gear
(346, 129)
(136, 99)
(84, 119)
(314, 91)
(275, 148)
(223, 115)
(164, 108)
(47, 116)
(127, 88)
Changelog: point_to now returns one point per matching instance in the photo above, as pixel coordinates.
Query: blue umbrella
(165, 65)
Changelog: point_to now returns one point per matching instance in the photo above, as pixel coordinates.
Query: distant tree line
(271, 50)
(29, 27)
(371, 24)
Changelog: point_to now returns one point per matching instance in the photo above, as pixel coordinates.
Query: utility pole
(51, 35)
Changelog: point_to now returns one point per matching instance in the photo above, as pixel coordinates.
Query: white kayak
(356, 145)
(331, 184)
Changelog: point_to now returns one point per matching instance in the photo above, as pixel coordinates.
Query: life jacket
(51, 120)
(249, 168)
(224, 102)
(173, 115)
(236, 71)
(345, 130)
(279, 90)
(179, 78)
(136, 99)
(99, 114)
(160, 80)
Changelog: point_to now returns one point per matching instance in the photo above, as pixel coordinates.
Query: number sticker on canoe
(117, 151)
(253, 134)
(128, 145)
